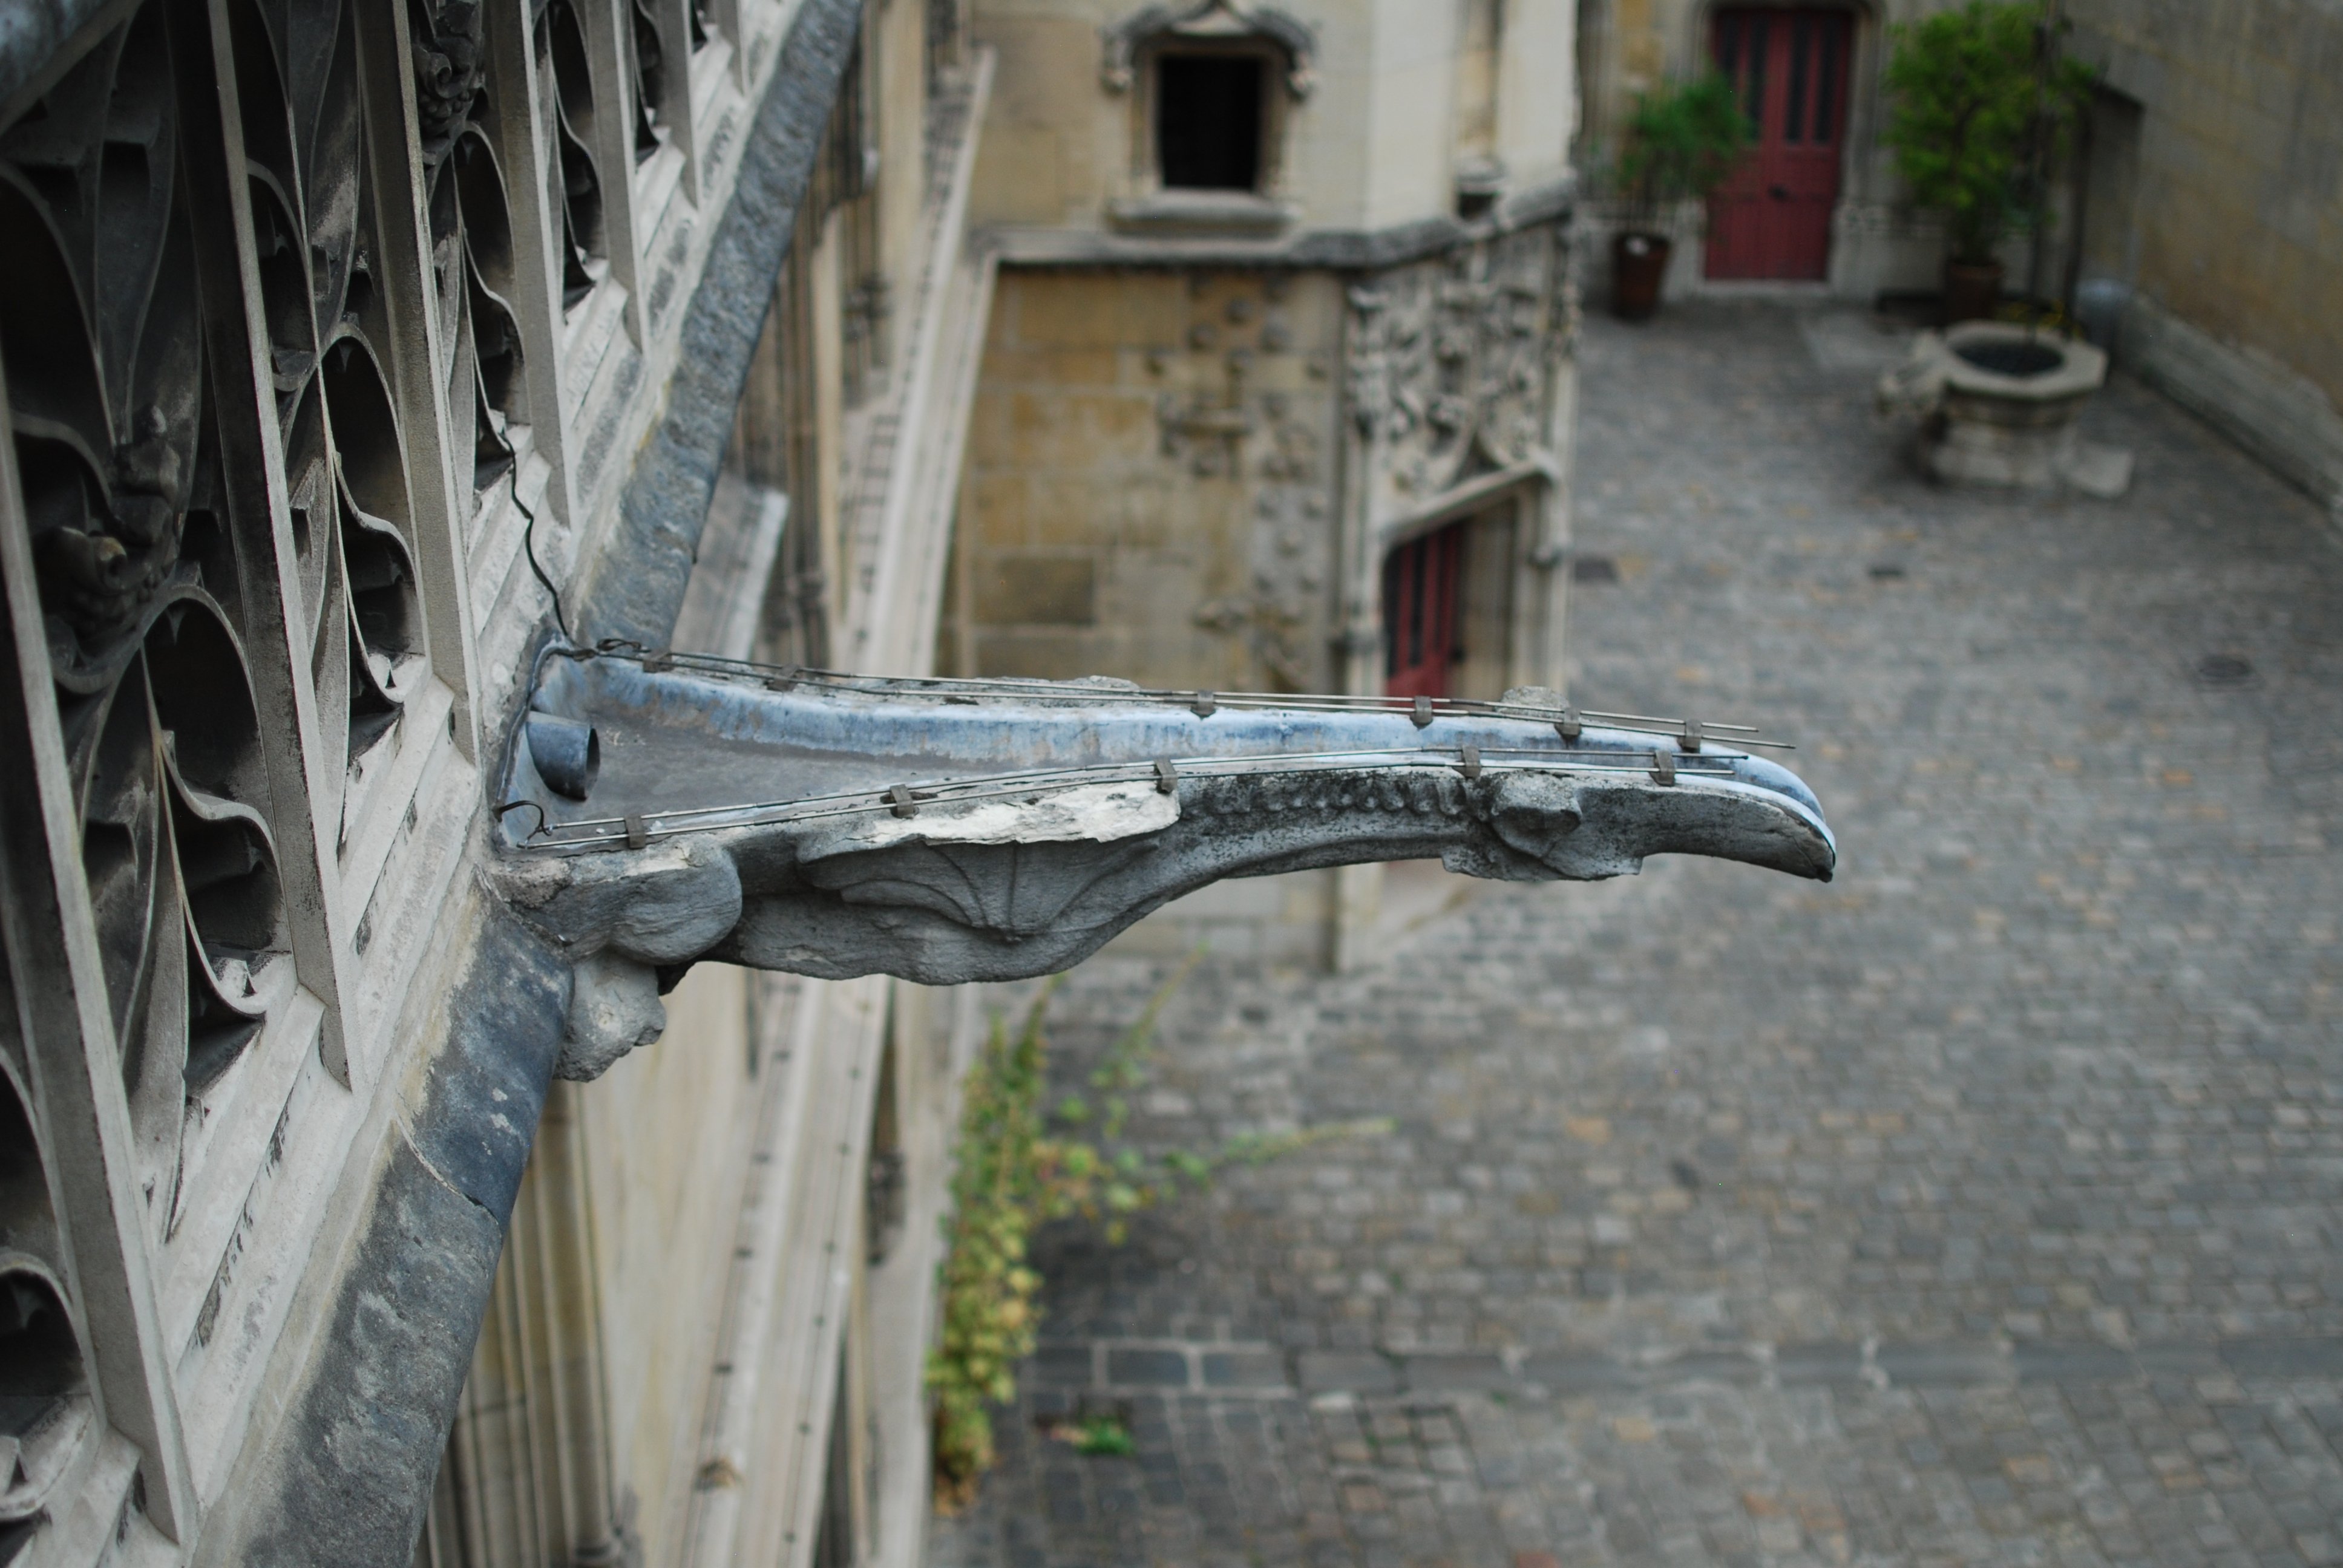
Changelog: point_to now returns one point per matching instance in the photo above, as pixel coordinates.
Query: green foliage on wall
(1982, 104)
(1012, 1173)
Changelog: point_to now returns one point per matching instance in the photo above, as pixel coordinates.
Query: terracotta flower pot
(1638, 262)
(1970, 291)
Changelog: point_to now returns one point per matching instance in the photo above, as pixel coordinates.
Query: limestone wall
(670, 1142)
(2236, 211)
(1149, 475)
(2240, 165)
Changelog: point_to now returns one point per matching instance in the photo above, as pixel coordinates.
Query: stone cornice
(1342, 249)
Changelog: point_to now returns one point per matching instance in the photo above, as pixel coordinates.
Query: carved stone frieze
(1027, 823)
(448, 56)
(1450, 364)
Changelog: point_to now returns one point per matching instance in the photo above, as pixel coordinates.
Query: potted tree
(1683, 142)
(1982, 102)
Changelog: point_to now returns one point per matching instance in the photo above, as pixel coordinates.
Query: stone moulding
(1211, 19)
(951, 831)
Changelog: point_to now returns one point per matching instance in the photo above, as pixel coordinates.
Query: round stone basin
(2005, 374)
(2012, 358)
(1999, 402)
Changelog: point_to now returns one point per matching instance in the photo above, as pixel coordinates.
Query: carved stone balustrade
(662, 809)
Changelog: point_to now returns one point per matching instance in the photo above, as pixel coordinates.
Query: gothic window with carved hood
(1213, 85)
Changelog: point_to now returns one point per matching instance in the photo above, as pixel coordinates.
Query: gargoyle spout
(661, 809)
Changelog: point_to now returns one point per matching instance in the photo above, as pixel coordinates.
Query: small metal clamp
(658, 663)
(1167, 777)
(780, 683)
(511, 806)
(900, 801)
(1421, 714)
(1663, 767)
(1204, 706)
(1468, 761)
(1691, 736)
(1568, 726)
(638, 836)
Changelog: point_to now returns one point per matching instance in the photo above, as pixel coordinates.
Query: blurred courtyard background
(1978, 1206)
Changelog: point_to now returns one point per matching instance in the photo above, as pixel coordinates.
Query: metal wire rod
(639, 826)
(995, 686)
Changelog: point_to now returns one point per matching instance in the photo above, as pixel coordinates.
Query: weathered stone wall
(2239, 223)
(2231, 224)
(1149, 480)
(669, 1130)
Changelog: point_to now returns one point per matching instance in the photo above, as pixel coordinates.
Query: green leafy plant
(1983, 101)
(1104, 1437)
(1094, 1434)
(1682, 141)
(1013, 1174)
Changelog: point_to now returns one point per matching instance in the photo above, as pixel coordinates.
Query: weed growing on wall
(1018, 1166)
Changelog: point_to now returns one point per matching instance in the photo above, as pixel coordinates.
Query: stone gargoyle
(662, 809)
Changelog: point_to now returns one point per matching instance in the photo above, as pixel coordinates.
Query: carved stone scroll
(1451, 363)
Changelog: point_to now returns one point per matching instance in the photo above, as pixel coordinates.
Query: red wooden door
(1423, 590)
(1771, 218)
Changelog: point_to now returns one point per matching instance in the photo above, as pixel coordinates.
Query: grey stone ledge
(1339, 250)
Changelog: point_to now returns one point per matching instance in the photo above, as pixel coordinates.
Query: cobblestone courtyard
(1983, 1206)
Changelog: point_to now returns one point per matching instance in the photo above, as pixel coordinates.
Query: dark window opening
(1826, 87)
(1744, 51)
(1207, 115)
(1794, 129)
(1424, 629)
(884, 1195)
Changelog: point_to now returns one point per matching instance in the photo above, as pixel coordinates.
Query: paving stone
(1979, 1207)
(1354, 1372)
(1261, 1368)
(1146, 1368)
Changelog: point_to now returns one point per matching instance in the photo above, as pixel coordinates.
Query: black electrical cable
(528, 547)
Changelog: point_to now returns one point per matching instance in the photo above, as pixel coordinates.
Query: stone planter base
(1989, 424)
